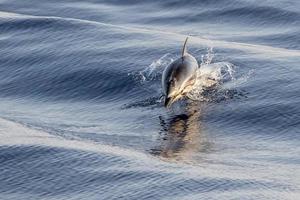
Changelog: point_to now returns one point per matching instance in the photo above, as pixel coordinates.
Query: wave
(258, 50)
(78, 85)
(288, 39)
(20, 24)
(73, 163)
(58, 75)
(252, 16)
(16, 134)
(266, 15)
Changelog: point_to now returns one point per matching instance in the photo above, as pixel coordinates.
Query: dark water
(80, 109)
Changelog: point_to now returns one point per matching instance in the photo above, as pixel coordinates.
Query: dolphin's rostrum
(179, 77)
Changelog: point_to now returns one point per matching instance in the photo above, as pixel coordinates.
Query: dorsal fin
(184, 50)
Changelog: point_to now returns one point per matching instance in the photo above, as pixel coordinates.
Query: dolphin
(179, 77)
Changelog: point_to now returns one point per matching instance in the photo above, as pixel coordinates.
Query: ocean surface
(81, 114)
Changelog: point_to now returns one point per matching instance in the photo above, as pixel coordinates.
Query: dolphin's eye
(172, 83)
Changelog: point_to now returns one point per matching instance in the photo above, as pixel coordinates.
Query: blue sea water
(81, 115)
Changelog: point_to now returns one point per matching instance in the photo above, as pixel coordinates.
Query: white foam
(210, 74)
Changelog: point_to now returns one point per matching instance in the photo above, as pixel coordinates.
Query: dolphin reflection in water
(181, 137)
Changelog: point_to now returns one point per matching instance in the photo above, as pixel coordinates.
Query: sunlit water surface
(81, 115)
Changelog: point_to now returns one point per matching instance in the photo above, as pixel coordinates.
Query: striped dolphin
(179, 77)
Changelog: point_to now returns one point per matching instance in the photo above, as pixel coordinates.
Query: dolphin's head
(172, 93)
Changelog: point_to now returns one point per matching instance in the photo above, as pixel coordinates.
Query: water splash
(215, 81)
(208, 57)
(154, 70)
(240, 80)
(209, 77)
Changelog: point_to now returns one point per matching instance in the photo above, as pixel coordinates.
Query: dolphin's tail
(184, 50)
